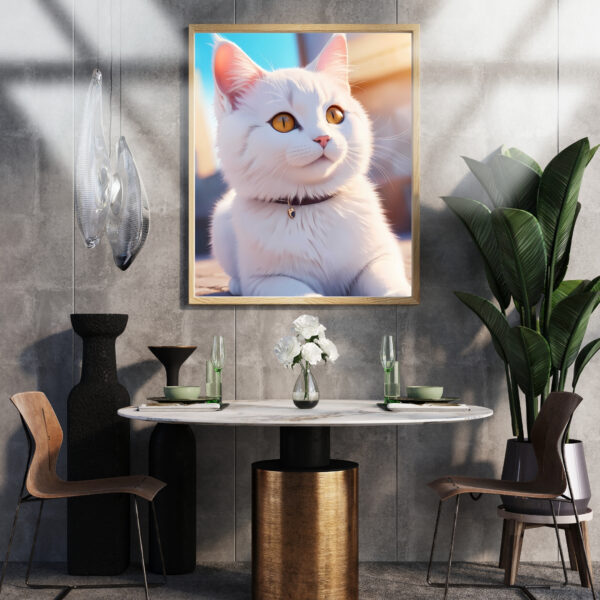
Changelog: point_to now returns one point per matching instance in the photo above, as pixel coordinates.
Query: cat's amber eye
(335, 114)
(283, 122)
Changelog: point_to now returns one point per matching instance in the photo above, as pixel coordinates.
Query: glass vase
(306, 390)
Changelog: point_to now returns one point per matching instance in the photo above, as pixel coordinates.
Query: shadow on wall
(451, 348)
(49, 361)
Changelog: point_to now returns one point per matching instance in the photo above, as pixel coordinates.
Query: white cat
(301, 217)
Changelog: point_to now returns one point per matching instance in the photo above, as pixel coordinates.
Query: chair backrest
(47, 434)
(547, 436)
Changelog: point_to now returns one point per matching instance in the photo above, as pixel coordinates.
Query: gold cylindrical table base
(305, 532)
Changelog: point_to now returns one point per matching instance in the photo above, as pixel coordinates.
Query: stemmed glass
(217, 357)
(214, 367)
(388, 362)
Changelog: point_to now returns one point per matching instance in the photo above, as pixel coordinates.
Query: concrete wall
(523, 72)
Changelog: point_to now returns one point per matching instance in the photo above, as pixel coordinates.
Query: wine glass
(388, 353)
(217, 357)
(390, 367)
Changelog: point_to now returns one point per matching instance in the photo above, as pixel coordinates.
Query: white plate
(407, 407)
(173, 406)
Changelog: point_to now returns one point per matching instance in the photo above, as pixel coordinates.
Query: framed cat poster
(303, 164)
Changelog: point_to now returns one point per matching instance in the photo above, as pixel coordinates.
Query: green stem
(531, 407)
(554, 380)
(515, 418)
(306, 368)
(548, 297)
(562, 380)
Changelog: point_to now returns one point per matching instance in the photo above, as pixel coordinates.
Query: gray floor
(232, 582)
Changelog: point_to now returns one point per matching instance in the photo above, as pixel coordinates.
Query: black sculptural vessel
(172, 459)
(98, 446)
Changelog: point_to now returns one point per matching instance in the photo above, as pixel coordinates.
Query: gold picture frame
(195, 127)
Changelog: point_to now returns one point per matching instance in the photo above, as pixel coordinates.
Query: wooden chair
(548, 437)
(41, 482)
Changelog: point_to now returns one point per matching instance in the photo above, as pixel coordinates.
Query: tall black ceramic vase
(98, 446)
(172, 459)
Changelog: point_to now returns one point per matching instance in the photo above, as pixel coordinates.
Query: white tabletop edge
(328, 413)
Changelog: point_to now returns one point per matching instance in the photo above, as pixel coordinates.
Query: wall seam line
(557, 76)
(73, 233)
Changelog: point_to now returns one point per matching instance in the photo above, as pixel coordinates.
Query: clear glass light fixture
(129, 213)
(115, 202)
(92, 171)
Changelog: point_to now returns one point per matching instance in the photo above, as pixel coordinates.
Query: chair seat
(449, 486)
(143, 486)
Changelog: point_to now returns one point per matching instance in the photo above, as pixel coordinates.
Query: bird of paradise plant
(525, 239)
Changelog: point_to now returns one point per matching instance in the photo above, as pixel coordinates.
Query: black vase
(520, 464)
(98, 446)
(172, 459)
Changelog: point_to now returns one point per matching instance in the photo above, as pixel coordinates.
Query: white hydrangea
(286, 350)
(311, 353)
(308, 326)
(329, 348)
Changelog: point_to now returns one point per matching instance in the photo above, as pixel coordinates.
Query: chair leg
(139, 530)
(560, 550)
(514, 544)
(451, 546)
(580, 546)
(437, 522)
(570, 534)
(160, 550)
(34, 542)
(10, 541)
(583, 556)
(503, 545)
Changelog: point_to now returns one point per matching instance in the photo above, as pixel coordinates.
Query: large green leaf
(560, 270)
(484, 175)
(568, 324)
(593, 285)
(529, 358)
(583, 358)
(477, 218)
(557, 197)
(522, 254)
(567, 288)
(491, 317)
(522, 157)
(517, 183)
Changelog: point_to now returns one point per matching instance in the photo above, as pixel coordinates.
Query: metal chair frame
(525, 589)
(26, 497)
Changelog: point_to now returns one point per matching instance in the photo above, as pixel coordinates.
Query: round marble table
(305, 504)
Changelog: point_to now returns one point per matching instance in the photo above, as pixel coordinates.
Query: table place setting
(418, 398)
(184, 406)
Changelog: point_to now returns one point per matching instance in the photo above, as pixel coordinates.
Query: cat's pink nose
(322, 139)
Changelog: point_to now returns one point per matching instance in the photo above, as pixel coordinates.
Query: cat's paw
(235, 287)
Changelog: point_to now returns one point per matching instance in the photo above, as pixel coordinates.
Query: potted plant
(539, 318)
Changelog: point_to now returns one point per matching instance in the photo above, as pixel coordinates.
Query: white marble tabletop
(334, 413)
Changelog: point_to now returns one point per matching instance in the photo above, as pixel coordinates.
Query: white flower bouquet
(306, 346)
(306, 343)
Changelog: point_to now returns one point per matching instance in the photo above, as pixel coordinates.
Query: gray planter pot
(520, 465)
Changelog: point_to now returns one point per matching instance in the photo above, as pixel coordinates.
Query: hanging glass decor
(115, 202)
(129, 213)
(92, 171)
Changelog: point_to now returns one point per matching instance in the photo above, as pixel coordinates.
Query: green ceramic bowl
(424, 392)
(182, 392)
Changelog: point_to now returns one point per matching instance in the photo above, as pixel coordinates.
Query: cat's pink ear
(234, 71)
(333, 59)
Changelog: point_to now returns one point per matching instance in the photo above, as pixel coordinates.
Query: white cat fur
(342, 246)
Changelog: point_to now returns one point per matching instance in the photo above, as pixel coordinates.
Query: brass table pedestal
(305, 531)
